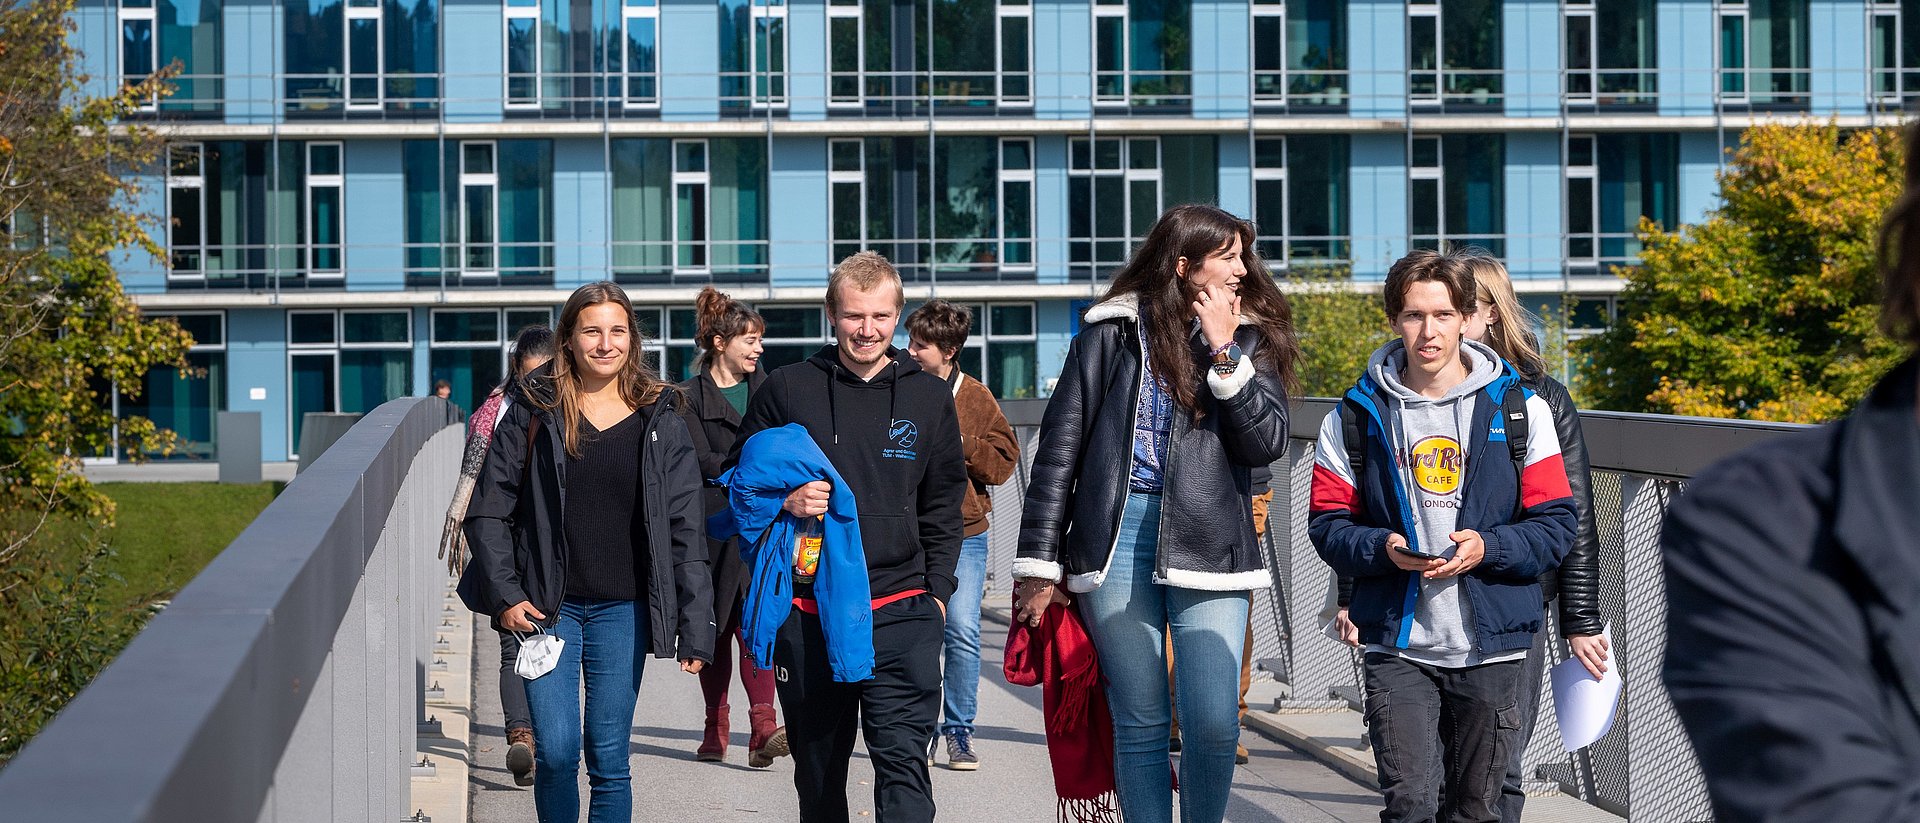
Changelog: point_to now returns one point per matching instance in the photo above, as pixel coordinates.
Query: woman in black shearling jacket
(1140, 496)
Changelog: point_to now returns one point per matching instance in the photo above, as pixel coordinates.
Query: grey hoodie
(1429, 438)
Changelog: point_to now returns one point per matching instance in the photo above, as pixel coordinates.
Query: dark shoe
(1240, 754)
(1173, 743)
(768, 741)
(960, 756)
(713, 747)
(520, 755)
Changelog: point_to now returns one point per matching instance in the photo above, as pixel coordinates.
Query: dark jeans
(896, 712)
(1512, 796)
(1470, 711)
(513, 687)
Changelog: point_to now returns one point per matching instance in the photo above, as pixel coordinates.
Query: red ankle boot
(768, 741)
(713, 747)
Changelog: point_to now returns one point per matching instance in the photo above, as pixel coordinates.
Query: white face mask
(538, 654)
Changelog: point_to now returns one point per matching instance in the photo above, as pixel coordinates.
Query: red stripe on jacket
(1331, 492)
(1545, 480)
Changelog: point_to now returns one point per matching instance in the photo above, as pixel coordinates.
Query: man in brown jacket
(936, 332)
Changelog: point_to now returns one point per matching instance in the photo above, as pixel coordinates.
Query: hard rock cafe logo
(1436, 463)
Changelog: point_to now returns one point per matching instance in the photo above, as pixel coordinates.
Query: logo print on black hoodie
(903, 434)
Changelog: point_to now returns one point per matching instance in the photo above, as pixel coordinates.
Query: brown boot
(768, 741)
(520, 755)
(713, 748)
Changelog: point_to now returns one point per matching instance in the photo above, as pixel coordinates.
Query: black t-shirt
(603, 513)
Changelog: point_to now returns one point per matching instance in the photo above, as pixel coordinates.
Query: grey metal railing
(1644, 769)
(287, 680)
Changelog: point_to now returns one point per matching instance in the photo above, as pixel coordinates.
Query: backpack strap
(1354, 437)
(1513, 407)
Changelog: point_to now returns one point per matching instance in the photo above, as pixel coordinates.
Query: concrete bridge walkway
(1013, 783)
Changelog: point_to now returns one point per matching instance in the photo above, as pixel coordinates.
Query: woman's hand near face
(1218, 309)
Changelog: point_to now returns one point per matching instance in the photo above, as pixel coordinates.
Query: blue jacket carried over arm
(772, 464)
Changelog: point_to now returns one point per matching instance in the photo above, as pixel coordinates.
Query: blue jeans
(604, 642)
(962, 673)
(1125, 617)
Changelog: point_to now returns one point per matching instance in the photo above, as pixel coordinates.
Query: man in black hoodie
(892, 434)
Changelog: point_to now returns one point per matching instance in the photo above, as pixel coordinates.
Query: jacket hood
(827, 359)
(1483, 368)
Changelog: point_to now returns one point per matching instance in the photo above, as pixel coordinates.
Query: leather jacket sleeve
(1063, 436)
(1253, 408)
(1579, 572)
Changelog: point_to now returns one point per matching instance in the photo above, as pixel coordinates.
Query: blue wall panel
(581, 190)
(1379, 176)
(140, 272)
(1377, 57)
(252, 60)
(1530, 34)
(1534, 215)
(1700, 159)
(1686, 32)
(1837, 53)
(1062, 59)
(1223, 60)
(1050, 208)
(798, 219)
(1053, 320)
(374, 215)
(689, 60)
(96, 36)
(807, 60)
(475, 60)
(257, 359)
(1236, 175)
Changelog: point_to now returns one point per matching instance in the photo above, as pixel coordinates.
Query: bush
(63, 626)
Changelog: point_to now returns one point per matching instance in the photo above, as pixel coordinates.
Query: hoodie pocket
(890, 541)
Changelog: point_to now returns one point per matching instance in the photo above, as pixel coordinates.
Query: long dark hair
(1166, 316)
(724, 317)
(533, 341)
(639, 385)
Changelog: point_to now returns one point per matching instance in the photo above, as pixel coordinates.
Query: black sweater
(896, 441)
(603, 512)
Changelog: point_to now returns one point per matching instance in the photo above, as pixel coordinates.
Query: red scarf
(1059, 657)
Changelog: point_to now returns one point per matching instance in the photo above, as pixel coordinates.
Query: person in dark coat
(587, 524)
(728, 372)
(1181, 374)
(1793, 596)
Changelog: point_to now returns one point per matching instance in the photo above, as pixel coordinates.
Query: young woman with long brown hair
(587, 524)
(728, 372)
(1181, 372)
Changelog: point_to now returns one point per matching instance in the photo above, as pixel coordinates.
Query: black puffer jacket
(519, 543)
(1080, 478)
(1577, 581)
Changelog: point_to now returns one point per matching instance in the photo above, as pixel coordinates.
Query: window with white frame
(1110, 51)
(1456, 190)
(846, 53)
(479, 210)
(1300, 199)
(349, 360)
(186, 211)
(523, 53)
(1454, 52)
(847, 197)
(1269, 50)
(139, 44)
(1764, 51)
(1884, 47)
(1113, 190)
(1426, 179)
(1423, 51)
(1015, 57)
(640, 53)
(753, 53)
(365, 54)
(325, 247)
(1583, 201)
(691, 185)
(1299, 52)
(468, 348)
(1001, 349)
(184, 400)
(1016, 203)
(1582, 76)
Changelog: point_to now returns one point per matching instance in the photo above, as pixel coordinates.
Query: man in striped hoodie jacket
(1445, 534)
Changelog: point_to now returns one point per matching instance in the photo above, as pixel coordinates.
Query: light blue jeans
(605, 646)
(962, 673)
(1126, 617)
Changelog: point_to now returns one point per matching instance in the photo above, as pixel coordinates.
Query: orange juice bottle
(806, 550)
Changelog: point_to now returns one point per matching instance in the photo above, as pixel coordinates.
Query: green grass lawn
(81, 593)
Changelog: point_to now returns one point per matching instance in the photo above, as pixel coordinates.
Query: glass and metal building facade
(364, 196)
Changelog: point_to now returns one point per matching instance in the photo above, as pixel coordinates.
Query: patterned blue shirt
(1152, 429)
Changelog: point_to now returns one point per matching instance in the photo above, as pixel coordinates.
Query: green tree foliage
(67, 330)
(1339, 328)
(1766, 309)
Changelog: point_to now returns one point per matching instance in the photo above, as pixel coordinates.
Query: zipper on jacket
(1126, 480)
